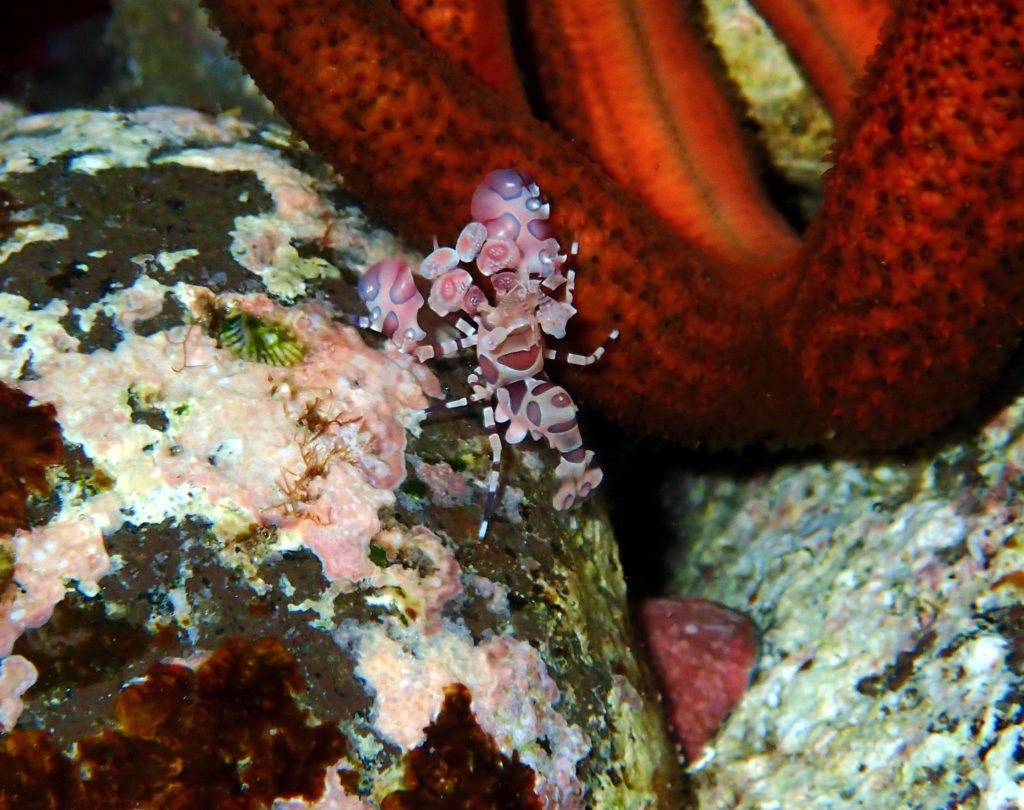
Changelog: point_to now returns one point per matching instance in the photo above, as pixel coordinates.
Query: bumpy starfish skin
(475, 35)
(914, 290)
(903, 300)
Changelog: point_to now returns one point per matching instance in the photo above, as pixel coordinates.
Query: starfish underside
(883, 321)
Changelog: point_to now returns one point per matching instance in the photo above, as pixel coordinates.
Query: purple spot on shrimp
(369, 283)
(473, 299)
(520, 361)
(503, 282)
(506, 182)
(575, 456)
(563, 427)
(516, 392)
(540, 229)
(506, 226)
(488, 368)
(534, 412)
(404, 287)
(390, 325)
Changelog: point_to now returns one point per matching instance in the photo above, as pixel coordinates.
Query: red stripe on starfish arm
(831, 39)
(635, 89)
(902, 302)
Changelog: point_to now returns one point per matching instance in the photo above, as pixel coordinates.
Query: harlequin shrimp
(508, 248)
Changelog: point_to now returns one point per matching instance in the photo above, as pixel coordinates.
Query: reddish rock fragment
(30, 441)
(702, 655)
(459, 766)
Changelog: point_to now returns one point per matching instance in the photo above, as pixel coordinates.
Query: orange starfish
(888, 317)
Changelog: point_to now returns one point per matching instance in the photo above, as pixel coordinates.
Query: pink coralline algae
(327, 457)
(17, 675)
(702, 655)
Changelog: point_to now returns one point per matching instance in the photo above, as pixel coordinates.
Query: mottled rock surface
(167, 53)
(889, 597)
(238, 462)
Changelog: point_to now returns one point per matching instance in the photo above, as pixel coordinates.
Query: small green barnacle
(261, 341)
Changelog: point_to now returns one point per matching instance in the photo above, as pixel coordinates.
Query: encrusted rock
(889, 596)
(239, 462)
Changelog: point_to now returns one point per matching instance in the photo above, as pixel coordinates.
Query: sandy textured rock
(889, 594)
(237, 464)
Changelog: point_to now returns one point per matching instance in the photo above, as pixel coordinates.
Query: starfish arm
(640, 92)
(831, 39)
(914, 291)
(386, 115)
(808, 350)
(475, 35)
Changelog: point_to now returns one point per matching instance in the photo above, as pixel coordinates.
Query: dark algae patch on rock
(30, 442)
(228, 734)
(459, 767)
